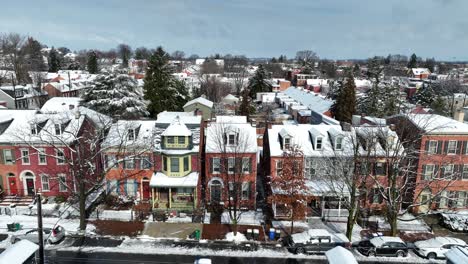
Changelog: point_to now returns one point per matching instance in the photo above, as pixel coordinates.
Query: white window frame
(11, 156)
(58, 128)
(129, 161)
(432, 149)
(443, 200)
(452, 148)
(41, 153)
(45, 182)
(233, 141)
(426, 175)
(62, 179)
(449, 172)
(461, 197)
(245, 187)
(231, 165)
(288, 144)
(59, 161)
(246, 165)
(23, 157)
(465, 172)
(279, 167)
(340, 144)
(216, 166)
(319, 143)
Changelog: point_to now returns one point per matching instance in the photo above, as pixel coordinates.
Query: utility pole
(39, 228)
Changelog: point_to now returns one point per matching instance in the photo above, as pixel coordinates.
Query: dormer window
(131, 134)
(33, 129)
(319, 143)
(58, 129)
(339, 143)
(231, 139)
(287, 143)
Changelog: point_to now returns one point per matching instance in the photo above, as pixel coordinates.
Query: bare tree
(234, 147)
(210, 66)
(213, 88)
(125, 52)
(13, 54)
(178, 55)
(307, 57)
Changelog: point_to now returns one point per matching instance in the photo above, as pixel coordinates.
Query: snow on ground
(30, 222)
(246, 218)
(456, 221)
(186, 219)
(340, 227)
(284, 224)
(122, 215)
(239, 237)
(405, 223)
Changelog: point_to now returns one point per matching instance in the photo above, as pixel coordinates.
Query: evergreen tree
(92, 63)
(425, 96)
(54, 61)
(259, 82)
(345, 104)
(161, 88)
(413, 62)
(245, 108)
(115, 95)
(32, 51)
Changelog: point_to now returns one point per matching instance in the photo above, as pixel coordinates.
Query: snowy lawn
(245, 218)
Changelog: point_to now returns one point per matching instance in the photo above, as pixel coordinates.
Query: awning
(160, 179)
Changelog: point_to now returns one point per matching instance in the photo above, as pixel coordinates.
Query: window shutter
(458, 170)
(374, 168)
(423, 173)
(250, 165)
(465, 143)
(436, 172)
(237, 139)
(2, 161)
(445, 147)
(459, 147)
(211, 165)
(225, 138)
(439, 146)
(426, 147)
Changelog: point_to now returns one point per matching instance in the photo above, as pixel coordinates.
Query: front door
(146, 190)
(30, 186)
(12, 186)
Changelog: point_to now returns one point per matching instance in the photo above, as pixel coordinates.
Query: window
(425, 198)
(428, 172)
(58, 129)
(432, 147)
(246, 165)
(452, 147)
(33, 129)
(279, 167)
(215, 191)
(375, 196)
(186, 163)
(8, 156)
(216, 164)
(465, 172)
(145, 162)
(110, 161)
(339, 143)
(45, 182)
(231, 139)
(231, 165)
(131, 134)
(319, 143)
(181, 140)
(170, 140)
(130, 187)
(309, 168)
(448, 171)
(245, 191)
(25, 156)
(174, 164)
(443, 199)
(129, 163)
(60, 156)
(379, 168)
(62, 183)
(42, 157)
(461, 199)
(287, 143)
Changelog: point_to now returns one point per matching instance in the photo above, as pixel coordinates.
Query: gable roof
(200, 100)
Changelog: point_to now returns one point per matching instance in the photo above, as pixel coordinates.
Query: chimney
(459, 115)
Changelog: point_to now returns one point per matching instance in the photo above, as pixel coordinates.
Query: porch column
(322, 205)
(195, 197)
(170, 198)
(152, 197)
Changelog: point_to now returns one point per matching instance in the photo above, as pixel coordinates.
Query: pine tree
(345, 104)
(115, 95)
(161, 88)
(92, 63)
(32, 50)
(259, 82)
(245, 107)
(413, 62)
(54, 61)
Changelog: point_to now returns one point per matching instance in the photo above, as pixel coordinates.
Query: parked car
(50, 235)
(314, 241)
(437, 247)
(383, 246)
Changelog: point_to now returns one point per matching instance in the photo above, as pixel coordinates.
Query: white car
(50, 235)
(437, 247)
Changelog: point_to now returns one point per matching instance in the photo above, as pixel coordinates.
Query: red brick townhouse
(441, 180)
(230, 146)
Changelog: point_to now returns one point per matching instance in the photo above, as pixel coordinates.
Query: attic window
(339, 143)
(287, 143)
(58, 129)
(33, 129)
(231, 139)
(319, 143)
(131, 134)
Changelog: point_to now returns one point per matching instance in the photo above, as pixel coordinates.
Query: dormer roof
(177, 128)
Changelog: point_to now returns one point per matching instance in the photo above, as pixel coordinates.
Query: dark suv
(383, 246)
(308, 243)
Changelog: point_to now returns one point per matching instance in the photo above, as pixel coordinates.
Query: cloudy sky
(256, 28)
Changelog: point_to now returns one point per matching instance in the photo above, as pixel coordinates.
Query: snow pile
(186, 219)
(122, 215)
(236, 238)
(455, 221)
(245, 218)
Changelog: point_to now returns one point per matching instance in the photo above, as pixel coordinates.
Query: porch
(178, 193)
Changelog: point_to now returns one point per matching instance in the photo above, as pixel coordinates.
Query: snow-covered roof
(245, 133)
(19, 252)
(200, 100)
(313, 100)
(144, 134)
(188, 118)
(58, 104)
(340, 255)
(229, 99)
(418, 71)
(177, 128)
(159, 179)
(436, 124)
(457, 255)
(379, 241)
(231, 119)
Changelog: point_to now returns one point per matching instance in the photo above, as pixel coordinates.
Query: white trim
(39, 150)
(42, 182)
(57, 158)
(23, 178)
(60, 175)
(22, 157)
